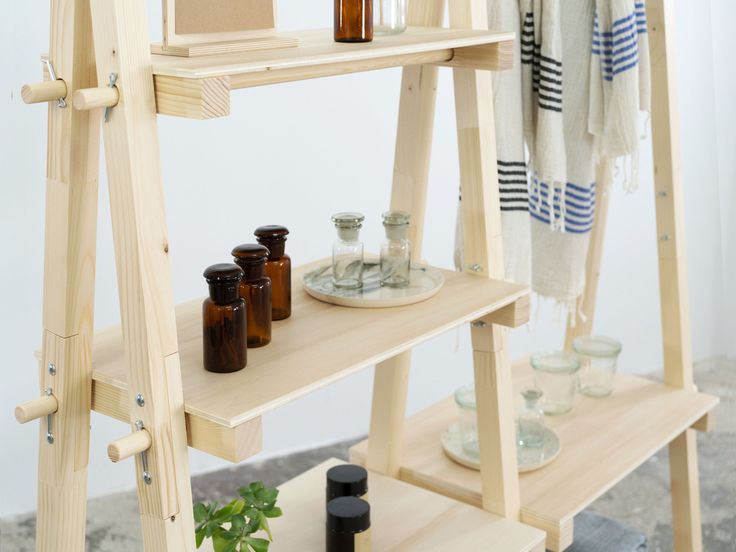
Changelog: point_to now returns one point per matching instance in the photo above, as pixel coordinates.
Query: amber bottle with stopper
(224, 320)
(353, 20)
(255, 289)
(278, 268)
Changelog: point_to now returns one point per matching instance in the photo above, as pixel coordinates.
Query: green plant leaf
(199, 536)
(273, 512)
(258, 545)
(200, 512)
(221, 544)
(264, 526)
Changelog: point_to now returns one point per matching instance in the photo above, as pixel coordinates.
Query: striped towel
(604, 85)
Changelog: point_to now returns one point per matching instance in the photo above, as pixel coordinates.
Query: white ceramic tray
(424, 283)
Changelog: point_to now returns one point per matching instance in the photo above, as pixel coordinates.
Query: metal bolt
(52, 368)
(139, 400)
(661, 193)
(50, 438)
(479, 324)
(49, 420)
(476, 268)
(138, 425)
(147, 479)
(664, 237)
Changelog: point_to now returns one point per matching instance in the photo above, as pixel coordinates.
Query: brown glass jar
(278, 268)
(224, 320)
(255, 288)
(353, 20)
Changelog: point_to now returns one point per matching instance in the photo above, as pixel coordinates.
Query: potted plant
(232, 527)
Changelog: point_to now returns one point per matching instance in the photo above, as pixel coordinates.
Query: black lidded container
(348, 525)
(224, 320)
(347, 480)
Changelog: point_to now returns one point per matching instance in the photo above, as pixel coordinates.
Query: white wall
(312, 148)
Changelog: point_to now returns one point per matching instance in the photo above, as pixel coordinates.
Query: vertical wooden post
(69, 283)
(585, 313)
(678, 369)
(482, 236)
(122, 45)
(409, 193)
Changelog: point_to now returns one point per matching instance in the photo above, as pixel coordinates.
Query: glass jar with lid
(468, 420)
(396, 250)
(555, 374)
(224, 320)
(347, 251)
(278, 268)
(389, 17)
(530, 421)
(598, 358)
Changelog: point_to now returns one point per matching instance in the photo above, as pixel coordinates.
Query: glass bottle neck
(253, 271)
(276, 247)
(395, 232)
(222, 294)
(348, 234)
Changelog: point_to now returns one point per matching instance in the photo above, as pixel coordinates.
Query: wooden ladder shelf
(148, 371)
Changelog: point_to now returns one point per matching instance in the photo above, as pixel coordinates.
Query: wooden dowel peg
(35, 409)
(93, 98)
(43, 91)
(135, 443)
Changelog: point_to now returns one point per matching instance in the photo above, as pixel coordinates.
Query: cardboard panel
(223, 16)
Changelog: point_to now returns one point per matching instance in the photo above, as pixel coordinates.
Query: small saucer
(424, 283)
(529, 459)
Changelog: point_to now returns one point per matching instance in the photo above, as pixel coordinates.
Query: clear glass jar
(389, 16)
(598, 358)
(530, 422)
(468, 420)
(347, 251)
(554, 374)
(395, 250)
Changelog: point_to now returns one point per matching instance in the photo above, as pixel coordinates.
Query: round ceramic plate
(529, 459)
(425, 282)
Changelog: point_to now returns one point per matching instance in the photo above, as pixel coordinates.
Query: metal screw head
(147, 479)
(664, 237)
(139, 400)
(476, 268)
(139, 425)
(52, 368)
(50, 438)
(479, 324)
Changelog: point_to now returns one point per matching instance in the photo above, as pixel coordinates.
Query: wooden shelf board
(200, 87)
(403, 517)
(603, 440)
(318, 345)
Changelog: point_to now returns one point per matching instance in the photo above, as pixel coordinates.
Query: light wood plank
(483, 255)
(585, 313)
(674, 301)
(294, 364)
(492, 57)
(603, 440)
(69, 273)
(408, 193)
(317, 50)
(193, 98)
(141, 250)
(233, 444)
(403, 518)
(685, 489)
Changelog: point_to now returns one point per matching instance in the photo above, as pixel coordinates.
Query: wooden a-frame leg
(678, 365)
(409, 193)
(482, 239)
(69, 283)
(142, 257)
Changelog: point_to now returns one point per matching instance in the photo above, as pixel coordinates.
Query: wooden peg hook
(86, 99)
(35, 409)
(135, 443)
(43, 91)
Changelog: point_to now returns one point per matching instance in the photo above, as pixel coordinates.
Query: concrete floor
(640, 501)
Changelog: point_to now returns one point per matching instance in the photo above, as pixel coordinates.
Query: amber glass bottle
(353, 20)
(224, 320)
(278, 268)
(255, 288)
